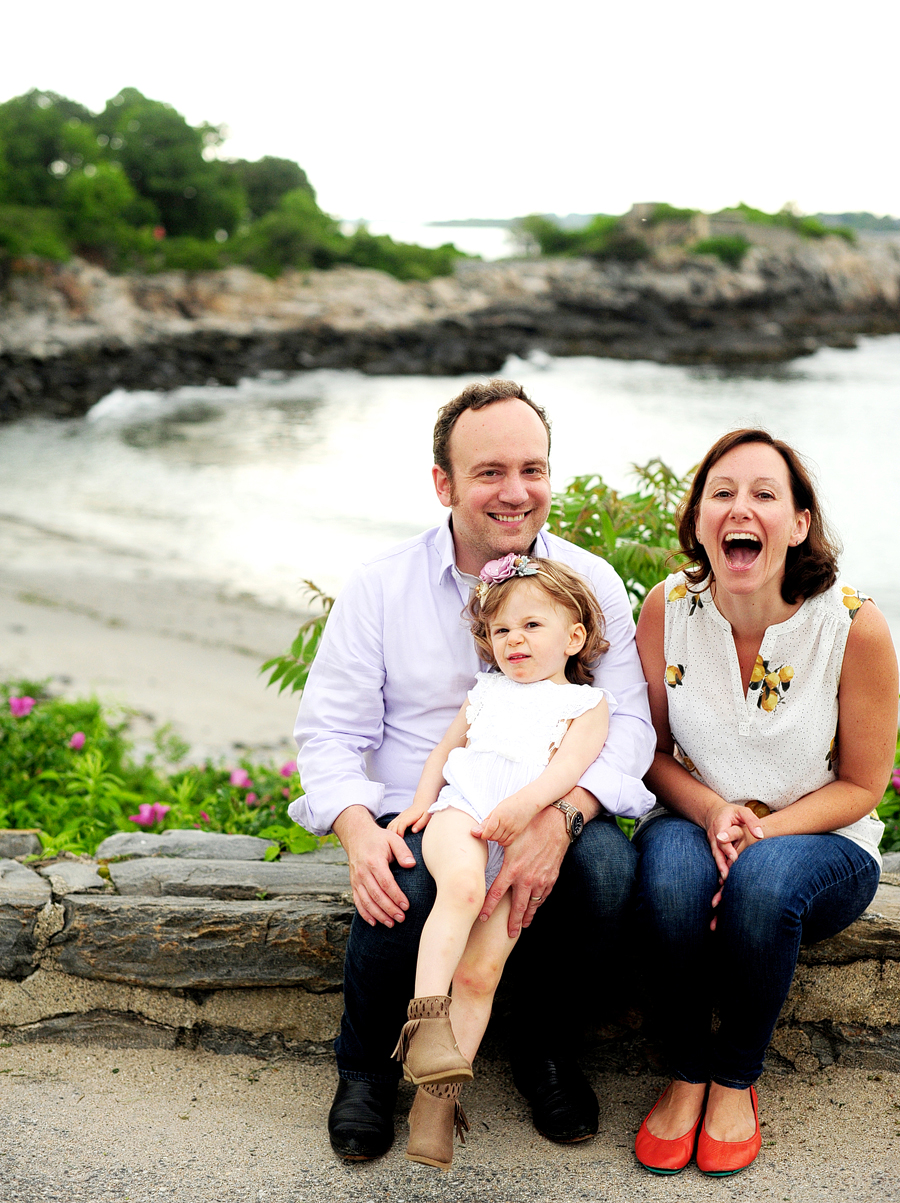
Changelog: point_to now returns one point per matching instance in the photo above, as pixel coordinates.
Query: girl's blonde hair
(564, 587)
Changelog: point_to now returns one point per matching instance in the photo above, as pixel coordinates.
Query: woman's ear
(801, 528)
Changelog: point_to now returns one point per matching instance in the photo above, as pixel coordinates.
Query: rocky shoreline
(71, 334)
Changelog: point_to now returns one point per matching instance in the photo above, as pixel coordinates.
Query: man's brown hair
(477, 396)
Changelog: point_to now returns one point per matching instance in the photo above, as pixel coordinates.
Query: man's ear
(442, 485)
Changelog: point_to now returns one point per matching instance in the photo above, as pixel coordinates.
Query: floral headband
(496, 571)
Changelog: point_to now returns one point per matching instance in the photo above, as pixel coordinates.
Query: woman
(765, 836)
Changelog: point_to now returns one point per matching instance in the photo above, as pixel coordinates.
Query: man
(394, 666)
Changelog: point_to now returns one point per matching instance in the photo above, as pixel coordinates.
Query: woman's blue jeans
(780, 892)
(572, 942)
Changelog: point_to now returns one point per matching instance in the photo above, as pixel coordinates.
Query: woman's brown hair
(811, 566)
(564, 587)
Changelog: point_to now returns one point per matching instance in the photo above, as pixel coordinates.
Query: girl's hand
(411, 817)
(506, 821)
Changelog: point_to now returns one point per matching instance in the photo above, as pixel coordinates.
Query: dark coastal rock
(182, 943)
(70, 335)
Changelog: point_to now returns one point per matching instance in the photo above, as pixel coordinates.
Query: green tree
(295, 234)
(43, 136)
(266, 181)
(96, 202)
(163, 158)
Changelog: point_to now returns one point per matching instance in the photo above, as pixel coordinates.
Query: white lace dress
(513, 730)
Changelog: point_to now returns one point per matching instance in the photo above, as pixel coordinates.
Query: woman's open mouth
(740, 549)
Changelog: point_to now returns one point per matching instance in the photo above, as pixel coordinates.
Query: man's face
(500, 489)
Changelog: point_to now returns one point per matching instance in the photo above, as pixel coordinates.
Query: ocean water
(255, 488)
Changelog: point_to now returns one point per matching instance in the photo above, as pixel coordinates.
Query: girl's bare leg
(475, 981)
(456, 861)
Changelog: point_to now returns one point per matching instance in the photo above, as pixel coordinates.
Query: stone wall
(196, 941)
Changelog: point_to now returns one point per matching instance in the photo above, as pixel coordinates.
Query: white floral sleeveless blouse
(776, 741)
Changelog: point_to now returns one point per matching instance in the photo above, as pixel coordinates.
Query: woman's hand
(730, 830)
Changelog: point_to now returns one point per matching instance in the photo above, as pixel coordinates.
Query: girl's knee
(477, 980)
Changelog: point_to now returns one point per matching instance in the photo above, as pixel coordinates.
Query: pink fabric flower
(22, 707)
(77, 741)
(496, 571)
(148, 814)
(288, 770)
(241, 778)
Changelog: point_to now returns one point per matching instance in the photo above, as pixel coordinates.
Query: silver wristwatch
(574, 819)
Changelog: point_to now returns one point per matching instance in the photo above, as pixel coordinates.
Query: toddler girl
(520, 743)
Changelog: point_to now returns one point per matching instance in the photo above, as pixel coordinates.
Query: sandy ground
(173, 651)
(89, 1124)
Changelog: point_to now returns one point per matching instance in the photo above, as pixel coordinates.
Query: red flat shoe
(664, 1156)
(719, 1158)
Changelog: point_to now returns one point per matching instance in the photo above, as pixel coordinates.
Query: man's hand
(530, 868)
(370, 850)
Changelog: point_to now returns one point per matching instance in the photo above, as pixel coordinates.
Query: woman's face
(747, 519)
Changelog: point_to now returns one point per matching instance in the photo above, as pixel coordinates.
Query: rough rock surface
(19, 843)
(69, 335)
(72, 877)
(155, 877)
(208, 845)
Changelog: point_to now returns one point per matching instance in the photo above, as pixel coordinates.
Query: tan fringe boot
(435, 1116)
(427, 1046)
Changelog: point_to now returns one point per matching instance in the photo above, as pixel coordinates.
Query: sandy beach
(171, 650)
(84, 1125)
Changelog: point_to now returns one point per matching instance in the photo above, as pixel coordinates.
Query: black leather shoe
(564, 1108)
(361, 1119)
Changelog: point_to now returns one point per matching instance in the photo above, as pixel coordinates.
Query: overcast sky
(410, 111)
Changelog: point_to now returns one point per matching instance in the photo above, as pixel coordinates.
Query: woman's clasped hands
(730, 829)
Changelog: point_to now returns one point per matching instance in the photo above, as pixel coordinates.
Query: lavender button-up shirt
(396, 662)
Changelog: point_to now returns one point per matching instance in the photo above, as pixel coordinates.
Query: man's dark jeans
(565, 955)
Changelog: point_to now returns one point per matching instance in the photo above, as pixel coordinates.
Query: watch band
(574, 819)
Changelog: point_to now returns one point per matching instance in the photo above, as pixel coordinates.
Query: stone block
(72, 877)
(182, 943)
(18, 883)
(298, 878)
(206, 845)
(874, 936)
(866, 992)
(19, 843)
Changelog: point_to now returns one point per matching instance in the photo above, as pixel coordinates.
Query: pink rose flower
(285, 793)
(251, 799)
(288, 770)
(77, 741)
(205, 817)
(22, 707)
(895, 780)
(241, 778)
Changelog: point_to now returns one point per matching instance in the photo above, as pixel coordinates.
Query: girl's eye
(532, 625)
(501, 630)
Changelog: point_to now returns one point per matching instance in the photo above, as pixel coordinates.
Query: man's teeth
(751, 538)
(508, 517)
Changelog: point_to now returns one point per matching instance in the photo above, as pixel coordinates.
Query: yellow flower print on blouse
(772, 683)
(852, 600)
(674, 675)
(831, 758)
(681, 591)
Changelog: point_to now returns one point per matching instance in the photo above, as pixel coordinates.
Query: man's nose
(514, 491)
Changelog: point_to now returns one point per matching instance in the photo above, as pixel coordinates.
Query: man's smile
(510, 517)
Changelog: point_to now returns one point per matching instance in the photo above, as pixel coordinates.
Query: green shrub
(66, 769)
(889, 810)
(25, 231)
(730, 248)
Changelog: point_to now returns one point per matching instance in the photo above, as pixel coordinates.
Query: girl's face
(532, 637)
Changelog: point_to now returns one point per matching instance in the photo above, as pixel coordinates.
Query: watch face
(577, 824)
